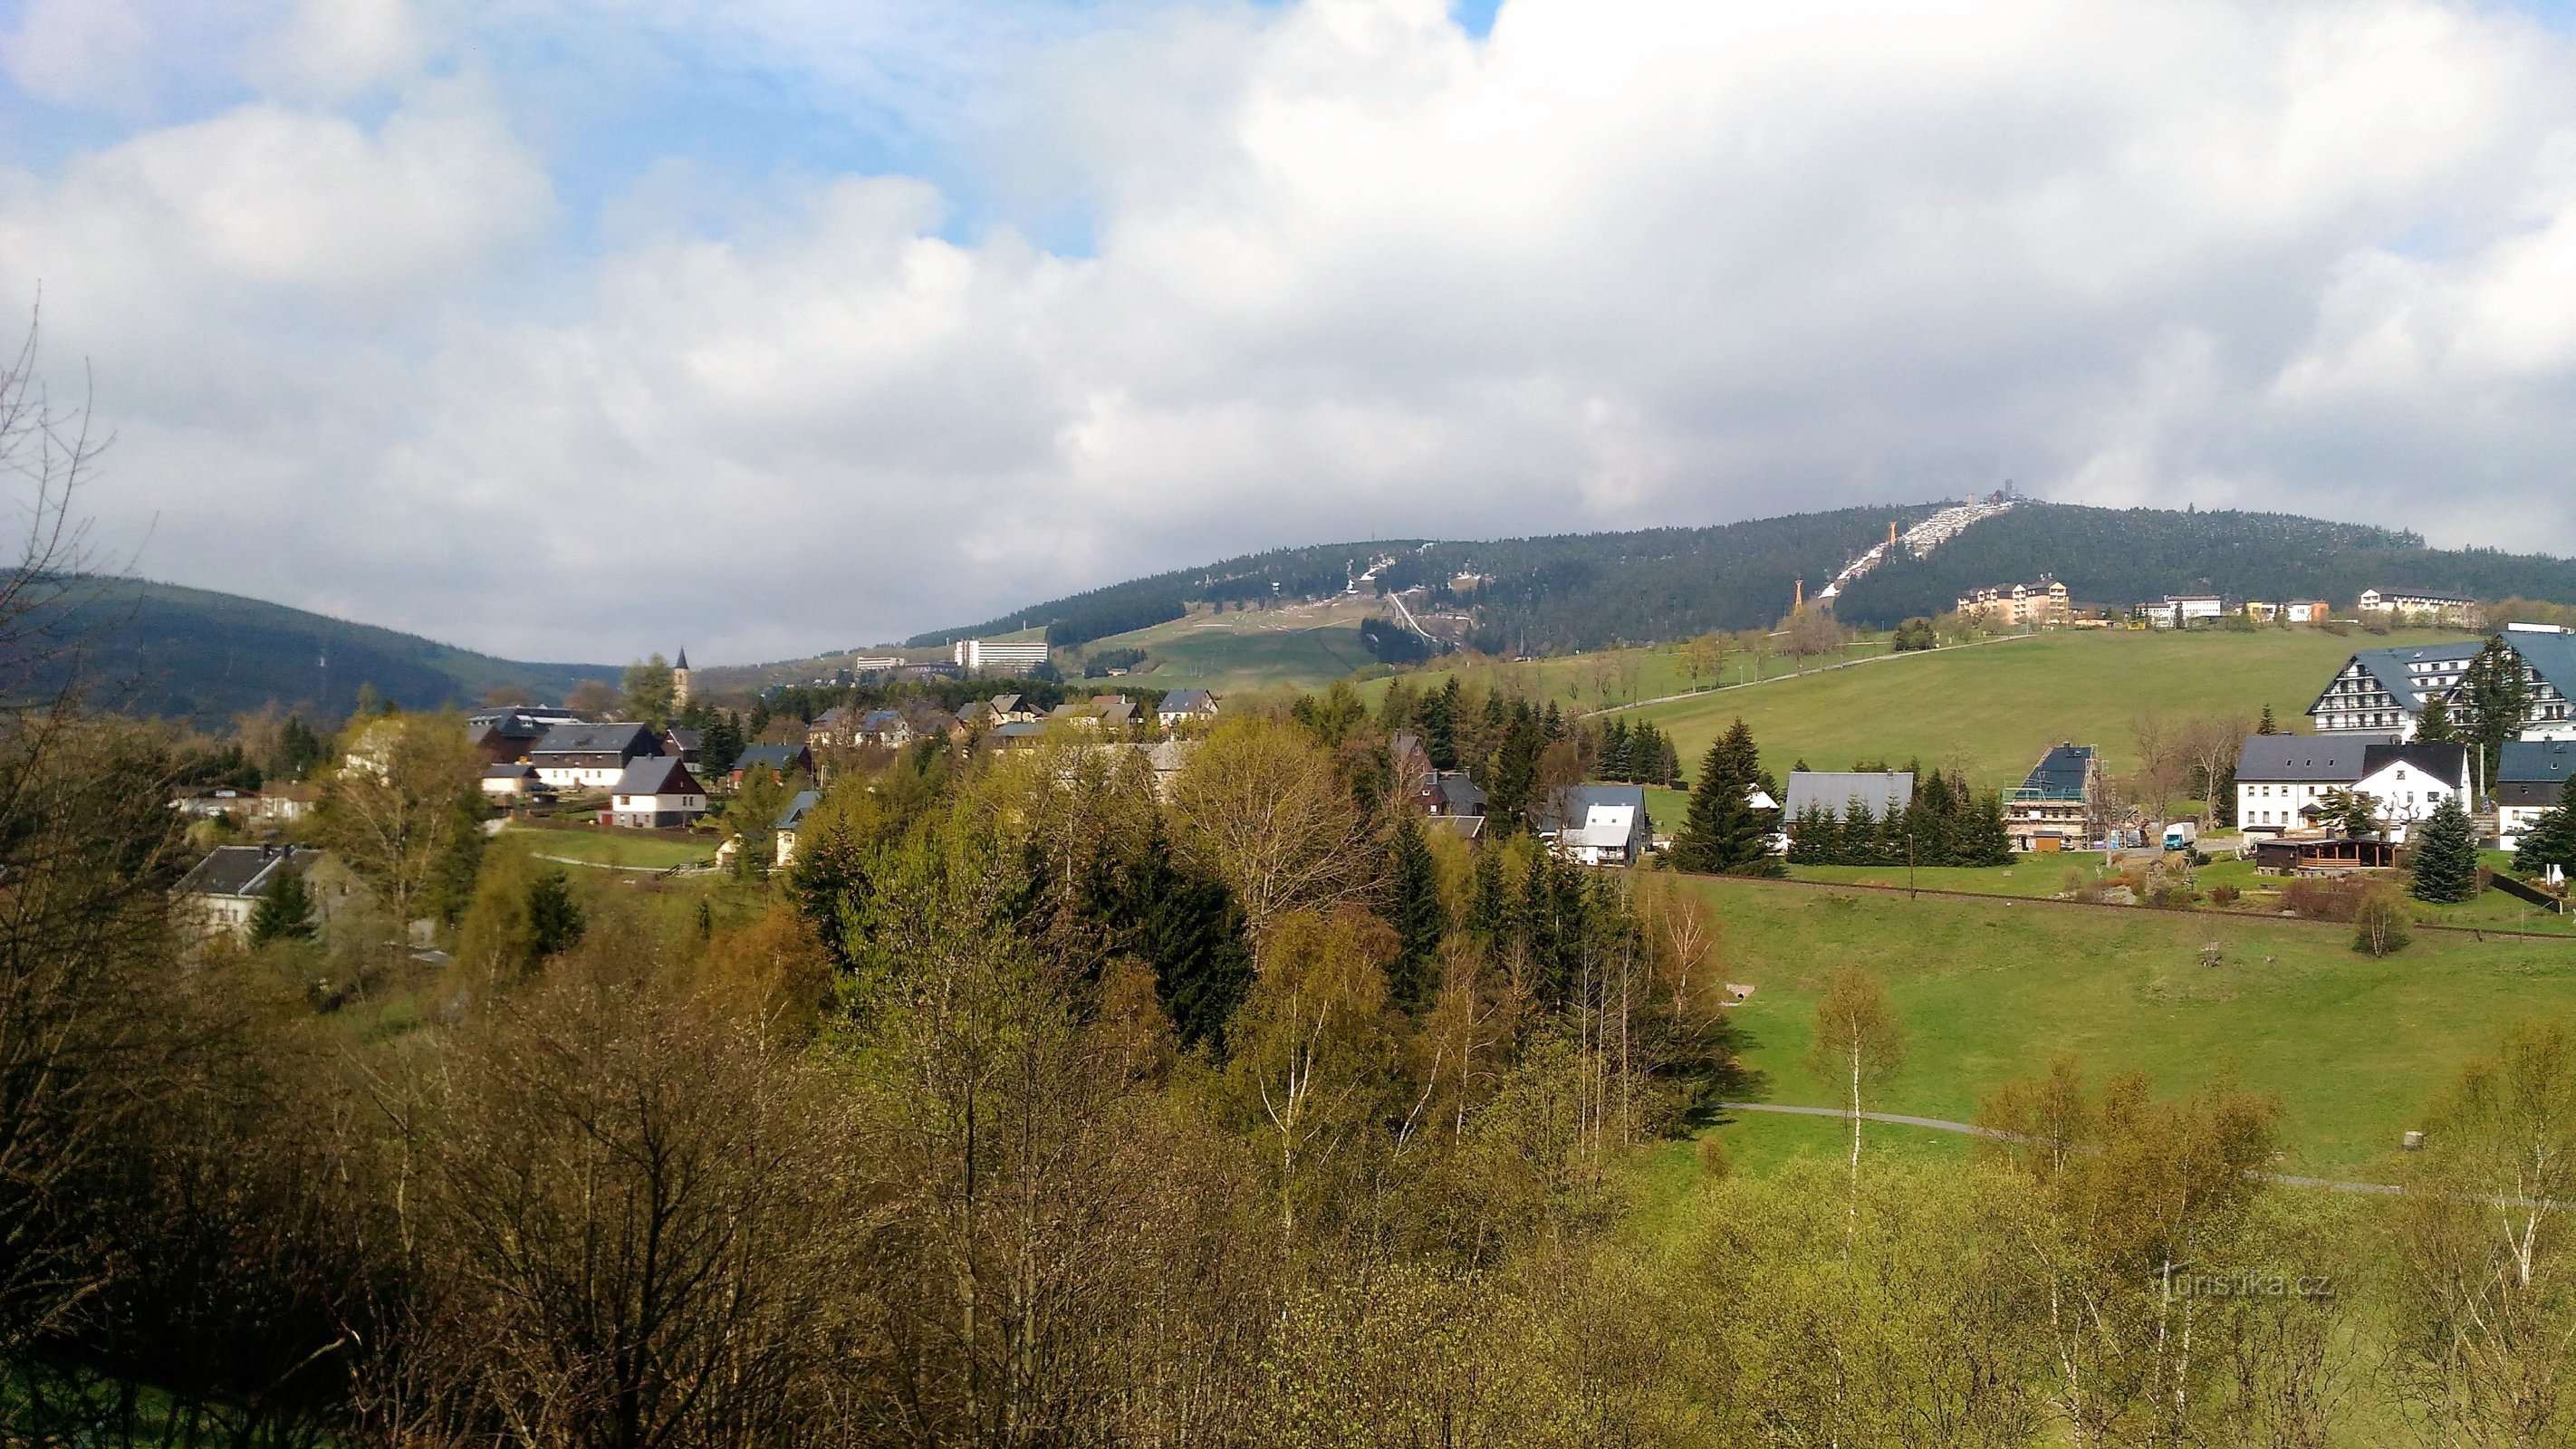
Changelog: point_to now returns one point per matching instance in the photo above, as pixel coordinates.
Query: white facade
(580, 777)
(2407, 794)
(2512, 820)
(999, 654)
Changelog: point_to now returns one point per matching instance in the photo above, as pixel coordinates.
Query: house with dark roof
(592, 756)
(1447, 794)
(515, 781)
(2382, 692)
(836, 728)
(780, 761)
(1185, 706)
(1598, 824)
(654, 793)
(219, 893)
(1837, 794)
(682, 742)
(2057, 806)
(1004, 709)
(885, 728)
(2531, 781)
(2282, 781)
(790, 820)
(506, 736)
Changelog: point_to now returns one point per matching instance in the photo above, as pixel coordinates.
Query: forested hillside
(1581, 591)
(2122, 556)
(159, 649)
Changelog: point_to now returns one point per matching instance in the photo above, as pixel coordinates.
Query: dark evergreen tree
(2551, 840)
(1188, 929)
(1724, 834)
(555, 923)
(1515, 768)
(284, 911)
(1983, 840)
(1418, 916)
(2493, 700)
(1489, 909)
(1555, 728)
(1440, 726)
(1671, 766)
(2446, 855)
(2268, 726)
(1816, 836)
(2436, 726)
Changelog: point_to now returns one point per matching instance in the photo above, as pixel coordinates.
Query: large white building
(999, 656)
(2381, 692)
(2422, 605)
(2282, 781)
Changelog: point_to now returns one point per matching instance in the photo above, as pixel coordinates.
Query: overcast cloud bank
(569, 333)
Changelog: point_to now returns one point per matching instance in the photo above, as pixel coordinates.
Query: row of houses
(2047, 601)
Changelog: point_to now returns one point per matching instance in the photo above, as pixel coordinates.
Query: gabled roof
(775, 757)
(2279, 759)
(2388, 667)
(2445, 762)
(2537, 760)
(685, 739)
(794, 814)
(1005, 704)
(514, 726)
(1189, 701)
(622, 738)
(1021, 729)
(878, 721)
(2061, 773)
(1459, 794)
(2551, 656)
(240, 870)
(657, 775)
(1878, 792)
(1568, 808)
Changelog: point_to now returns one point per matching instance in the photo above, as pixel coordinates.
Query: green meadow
(1997, 707)
(1992, 991)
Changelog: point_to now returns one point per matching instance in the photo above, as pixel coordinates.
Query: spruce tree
(2268, 726)
(1723, 834)
(1489, 907)
(284, 911)
(2446, 855)
(2551, 840)
(2436, 726)
(1418, 917)
(555, 923)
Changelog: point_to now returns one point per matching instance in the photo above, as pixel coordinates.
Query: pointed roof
(657, 775)
(683, 661)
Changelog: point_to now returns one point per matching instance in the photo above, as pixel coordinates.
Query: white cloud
(1624, 262)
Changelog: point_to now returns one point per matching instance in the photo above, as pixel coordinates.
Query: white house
(654, 792)
(2181, 611)
(2381, 692)
(1601, 824)
(220, 893)
(2418, 604)
(1184, 706)
(791, 820)
(2530, 782)
(592, 756)
(2282, 781)
(511, 782)
(2307, 611)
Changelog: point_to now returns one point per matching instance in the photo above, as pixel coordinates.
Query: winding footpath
(1970, 1129)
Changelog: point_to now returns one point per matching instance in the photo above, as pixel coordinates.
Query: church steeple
(680, 682)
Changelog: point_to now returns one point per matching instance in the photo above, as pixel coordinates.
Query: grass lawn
(591, 847)
(1991, 991)
(1997, 707)
(1306, 645)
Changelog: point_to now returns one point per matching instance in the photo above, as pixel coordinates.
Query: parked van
(2182, 835)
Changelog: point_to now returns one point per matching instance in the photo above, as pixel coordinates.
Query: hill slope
(1997, 707)
(160, 649)
(1581, 591)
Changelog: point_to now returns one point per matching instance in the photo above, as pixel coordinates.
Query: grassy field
(1992, 991)
(596, 848)
(1304, 645)
(1997, 707)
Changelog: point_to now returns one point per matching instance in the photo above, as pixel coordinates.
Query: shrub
(2321, 900)
(2225, 895)
(2380, 921)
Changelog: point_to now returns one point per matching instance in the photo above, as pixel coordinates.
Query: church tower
(680, 682)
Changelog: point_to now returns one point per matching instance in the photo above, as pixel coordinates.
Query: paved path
(1802, 674)
(1938, 1124)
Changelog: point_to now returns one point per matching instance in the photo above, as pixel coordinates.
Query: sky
(581, 330)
